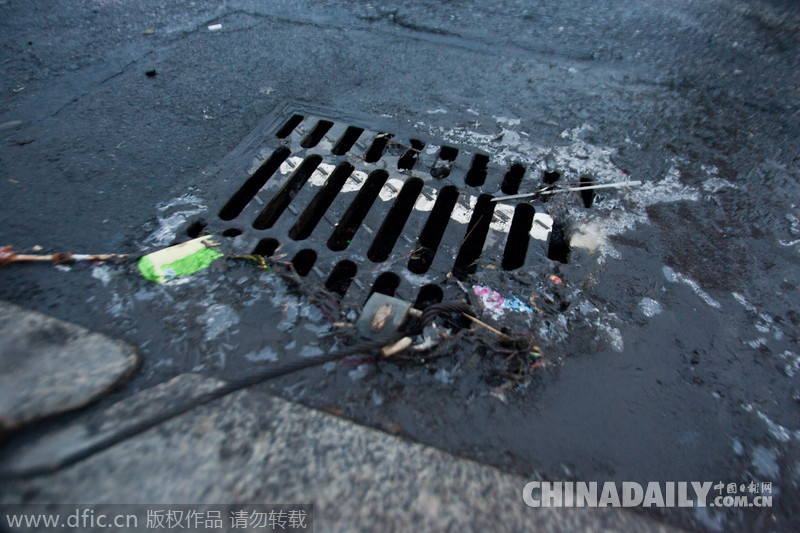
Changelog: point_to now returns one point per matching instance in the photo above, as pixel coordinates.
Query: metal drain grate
(367, 210)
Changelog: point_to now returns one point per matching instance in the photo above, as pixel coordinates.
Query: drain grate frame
(351, 198)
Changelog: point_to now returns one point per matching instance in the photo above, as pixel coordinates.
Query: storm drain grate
(374, 210)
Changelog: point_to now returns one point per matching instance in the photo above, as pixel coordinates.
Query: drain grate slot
(355, 214)
(477, 230)
(551, 176)
(232, 232)
(587, 195)
(558, 247)
(427, 296)
(347, 140)
(409, 159)
(341, 276)
(476, 176)
(432, 232)
(448, 153)
(266, 247)
(377, 147)
(517, 243)
(196, 228)
(313, 213)
(303, 261)
(316, 134)
(513, 179)
(395, 221)
(440, 172)
(246, 192)
(281, 200)
(289, 126)
(386, 283)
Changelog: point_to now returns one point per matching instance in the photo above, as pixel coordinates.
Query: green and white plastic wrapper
(179, 260)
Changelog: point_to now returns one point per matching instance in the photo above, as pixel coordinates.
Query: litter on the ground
(548, 190)
(179, 260)
(214, 27)
(382, 317)
(431, 336)
(496, 305)
(618, 185)
(8, 255)
(259, 260)
(397, 347)
(485, 325)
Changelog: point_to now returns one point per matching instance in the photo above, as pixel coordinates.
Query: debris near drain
(506, 355)
(393, 322)
(520, 323)
(259, 260)
(399, 346)
(382, 317)
(555, 190)
(520, 352)
(432, 335)
(485, 325)
(179, 260)
(522, 359)
(508, 343)
(8, 256)
(496, 305)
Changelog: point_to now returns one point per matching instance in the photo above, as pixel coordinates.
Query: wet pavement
(671, 347)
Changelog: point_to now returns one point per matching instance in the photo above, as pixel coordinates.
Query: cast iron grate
(366, 210)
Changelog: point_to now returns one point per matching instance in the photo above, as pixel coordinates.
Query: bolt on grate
(366, 210)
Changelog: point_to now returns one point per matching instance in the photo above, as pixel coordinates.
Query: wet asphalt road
(677, 358)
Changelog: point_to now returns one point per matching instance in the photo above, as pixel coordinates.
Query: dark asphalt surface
(699, 100)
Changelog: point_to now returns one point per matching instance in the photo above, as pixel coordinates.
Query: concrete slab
(95, 431)
(252, 447)
(48, 366)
